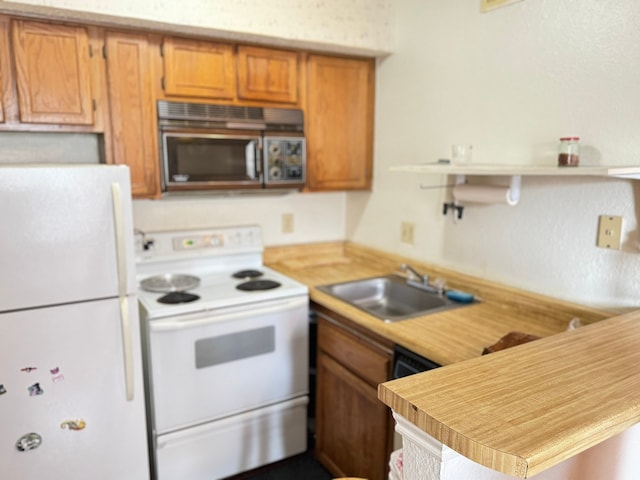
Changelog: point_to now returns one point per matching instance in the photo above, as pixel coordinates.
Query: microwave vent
(207, 112)
(278, 118)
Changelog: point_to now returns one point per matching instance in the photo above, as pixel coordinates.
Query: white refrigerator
(71, 388)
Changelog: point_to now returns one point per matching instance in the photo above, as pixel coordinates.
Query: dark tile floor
(303, 466)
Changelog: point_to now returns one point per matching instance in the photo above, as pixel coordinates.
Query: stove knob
(215, 241)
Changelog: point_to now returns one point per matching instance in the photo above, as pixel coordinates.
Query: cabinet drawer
(361, 357)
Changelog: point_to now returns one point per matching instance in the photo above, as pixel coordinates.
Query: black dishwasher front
(406, 362)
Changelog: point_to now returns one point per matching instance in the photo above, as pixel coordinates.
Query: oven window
(210, 158)
(234, 346)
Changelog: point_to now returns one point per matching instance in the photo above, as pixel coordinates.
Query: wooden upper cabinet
(202, 69)
(131, 100)
(53, 73)
(339, 123)
(267, 74)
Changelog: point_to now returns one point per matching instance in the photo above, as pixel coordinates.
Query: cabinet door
(267, 74)
(198, 69)
(353, 428)
(339, 123)
(133, 124)
(52, 73)
(352, 424)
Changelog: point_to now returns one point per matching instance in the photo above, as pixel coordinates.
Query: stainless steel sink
(389, 298)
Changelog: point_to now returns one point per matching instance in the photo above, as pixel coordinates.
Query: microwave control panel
(284, 159)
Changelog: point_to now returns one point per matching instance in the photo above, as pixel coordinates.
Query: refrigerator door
(59, 241)
(63, 376)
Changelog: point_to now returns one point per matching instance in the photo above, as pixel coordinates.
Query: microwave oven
(229, 147)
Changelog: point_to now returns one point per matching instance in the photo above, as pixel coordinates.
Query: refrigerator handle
(121, 251)
(125, 320)
(127, 347)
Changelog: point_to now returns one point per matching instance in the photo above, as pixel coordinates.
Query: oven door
(197, 160)
(220, 363)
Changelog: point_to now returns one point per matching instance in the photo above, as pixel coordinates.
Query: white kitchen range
(226, 353)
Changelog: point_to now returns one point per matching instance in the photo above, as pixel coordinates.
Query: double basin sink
(391, 298)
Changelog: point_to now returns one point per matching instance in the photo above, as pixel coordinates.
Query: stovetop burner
(247, 274)
(178, 297)
(254, 285)
(227, 262)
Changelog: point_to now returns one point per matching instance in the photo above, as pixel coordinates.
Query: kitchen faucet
(422, 281)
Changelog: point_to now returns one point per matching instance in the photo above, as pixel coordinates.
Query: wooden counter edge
(500, 461)
(525, 462)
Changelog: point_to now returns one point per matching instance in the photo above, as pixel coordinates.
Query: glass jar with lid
(569, 152)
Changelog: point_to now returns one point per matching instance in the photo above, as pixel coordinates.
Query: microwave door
(199, 161)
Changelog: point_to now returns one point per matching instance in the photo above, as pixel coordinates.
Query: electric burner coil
(257, 285)
(247, 274)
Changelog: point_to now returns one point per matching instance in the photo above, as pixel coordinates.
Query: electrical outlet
(609, 232)
(406, 232)
(287, 223)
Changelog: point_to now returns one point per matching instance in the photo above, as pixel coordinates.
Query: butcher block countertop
(446, 337)
(522, 410)
(518, 411)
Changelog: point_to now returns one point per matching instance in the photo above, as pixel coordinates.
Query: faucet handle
(440, 284)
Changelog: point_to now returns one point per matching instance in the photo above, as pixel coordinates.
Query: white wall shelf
(630, 172)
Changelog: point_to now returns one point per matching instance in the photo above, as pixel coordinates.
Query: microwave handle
(258, 159)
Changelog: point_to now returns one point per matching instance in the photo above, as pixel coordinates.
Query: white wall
(354, 26)
(511, 82)
(318, 217)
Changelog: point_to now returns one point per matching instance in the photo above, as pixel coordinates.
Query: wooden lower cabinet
(132, 108)
(354, 430)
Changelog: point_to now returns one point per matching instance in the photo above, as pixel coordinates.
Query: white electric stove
(226, 353)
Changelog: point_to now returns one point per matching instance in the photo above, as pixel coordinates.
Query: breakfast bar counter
(522, 410)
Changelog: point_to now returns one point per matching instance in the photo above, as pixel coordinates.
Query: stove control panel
(191, 242)
(173, 245)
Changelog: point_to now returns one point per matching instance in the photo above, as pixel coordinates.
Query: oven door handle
(183, 323)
